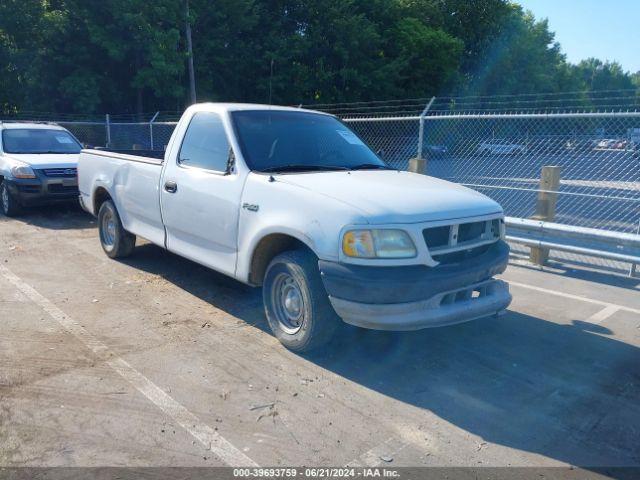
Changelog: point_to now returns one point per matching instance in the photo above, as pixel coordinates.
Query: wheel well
(268, 248)
(99, 197)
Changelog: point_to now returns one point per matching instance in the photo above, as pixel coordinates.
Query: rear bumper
(43, 190)
(415, 297)
(84, 203)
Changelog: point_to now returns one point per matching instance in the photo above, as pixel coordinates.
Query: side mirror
(231, 162)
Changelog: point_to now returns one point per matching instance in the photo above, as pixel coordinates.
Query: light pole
(192, 77)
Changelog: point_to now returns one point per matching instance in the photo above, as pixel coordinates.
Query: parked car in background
(620, 145)
(613, 144)
(497, 146)
(295, 202)
(603, 144)
(38, 165)
(437, 150)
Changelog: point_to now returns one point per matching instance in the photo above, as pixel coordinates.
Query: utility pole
(192, 76)
(270, 81)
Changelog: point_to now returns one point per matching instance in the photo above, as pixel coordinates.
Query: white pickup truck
(292, 200)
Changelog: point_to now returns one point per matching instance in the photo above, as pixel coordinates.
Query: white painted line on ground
(602, 315)
(206, 435)
(574, 297)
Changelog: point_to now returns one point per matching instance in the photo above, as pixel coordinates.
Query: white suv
(38, 165)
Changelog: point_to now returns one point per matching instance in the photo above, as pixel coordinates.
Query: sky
(605, 29)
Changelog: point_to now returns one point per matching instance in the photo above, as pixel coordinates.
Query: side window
(205, 144)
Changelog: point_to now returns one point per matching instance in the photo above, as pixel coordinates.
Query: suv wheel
(10, 206)
(296, 303)
(115, 240)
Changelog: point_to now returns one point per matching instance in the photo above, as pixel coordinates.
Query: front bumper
(442, 309)
(416, 297)
(43, 190)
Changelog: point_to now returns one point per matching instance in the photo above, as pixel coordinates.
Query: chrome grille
(457, 242)
(60, 172)
(437, 236)
(468, 232)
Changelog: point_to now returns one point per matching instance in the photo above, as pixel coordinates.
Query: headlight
(22, 171)
(378, 244)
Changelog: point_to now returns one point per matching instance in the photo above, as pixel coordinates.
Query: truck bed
(133, 181)
(157, 155)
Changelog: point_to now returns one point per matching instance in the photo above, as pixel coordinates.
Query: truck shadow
(565, 391)
(568, 392)
(63, 216)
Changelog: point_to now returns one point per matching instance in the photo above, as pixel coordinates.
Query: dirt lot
(158, 361)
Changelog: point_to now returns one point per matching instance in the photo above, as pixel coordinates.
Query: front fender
(286, 209)
(250, 241)
(6, 164)
(89, 198)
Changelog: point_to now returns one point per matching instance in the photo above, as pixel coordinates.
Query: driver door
(200, 196)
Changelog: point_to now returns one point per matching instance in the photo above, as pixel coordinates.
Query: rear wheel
(115, 240)
(296, 303)
(10, 206)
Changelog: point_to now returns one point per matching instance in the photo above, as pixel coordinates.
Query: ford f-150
(294, 201)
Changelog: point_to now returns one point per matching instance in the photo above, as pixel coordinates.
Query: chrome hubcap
(288, 303)
(108, 230)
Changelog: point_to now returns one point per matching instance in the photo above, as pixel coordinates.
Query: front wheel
(115, 240)
(10, 206)
(296, 303)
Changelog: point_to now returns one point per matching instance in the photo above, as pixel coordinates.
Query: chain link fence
(122, 135)
(498, 153)
(502, 155)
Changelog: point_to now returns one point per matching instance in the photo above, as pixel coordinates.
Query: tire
(296, 303)
(9, 204)
(115, 240)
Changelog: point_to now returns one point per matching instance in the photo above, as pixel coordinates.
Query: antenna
(271, 81)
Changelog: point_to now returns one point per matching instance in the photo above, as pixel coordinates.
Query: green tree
(593, 74)
(524, 58)
(129, 55)
(21, 23)
(139, 43)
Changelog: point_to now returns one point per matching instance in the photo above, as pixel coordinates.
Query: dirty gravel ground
(554, 381)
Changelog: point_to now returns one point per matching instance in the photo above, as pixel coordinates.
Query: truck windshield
(278, 140)
(39, 140)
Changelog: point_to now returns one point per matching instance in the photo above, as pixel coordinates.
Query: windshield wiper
(303, 168)
(372, 166)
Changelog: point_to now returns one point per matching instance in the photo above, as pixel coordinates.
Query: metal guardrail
(594, 242)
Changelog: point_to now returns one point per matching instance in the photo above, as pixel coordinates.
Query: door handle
(171, 186)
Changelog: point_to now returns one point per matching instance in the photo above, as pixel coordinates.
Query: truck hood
(397, 197)
(47, 160)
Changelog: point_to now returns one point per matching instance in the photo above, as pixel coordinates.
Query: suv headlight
(22, 171)
(383, 243)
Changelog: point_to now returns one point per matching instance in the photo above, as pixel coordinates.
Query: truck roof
(232, 107)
